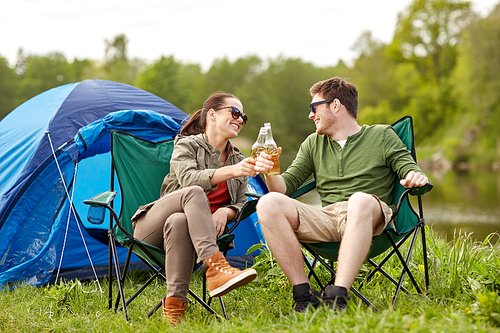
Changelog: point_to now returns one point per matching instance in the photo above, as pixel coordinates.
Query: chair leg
(222, 307)
(333, 273)
(312, 272)
(124, 273)
(405, 265)
(379, 268)
(118, 274)
(424, 250)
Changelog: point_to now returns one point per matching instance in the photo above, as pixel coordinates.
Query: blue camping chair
(408, 226)
(140, 166)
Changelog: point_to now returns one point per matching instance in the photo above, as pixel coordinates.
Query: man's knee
(269, 206)
(362, 200)
(366, 207)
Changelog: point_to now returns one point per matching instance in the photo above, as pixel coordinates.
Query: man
(355, 168)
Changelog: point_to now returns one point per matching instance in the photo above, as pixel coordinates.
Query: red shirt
(219, 198)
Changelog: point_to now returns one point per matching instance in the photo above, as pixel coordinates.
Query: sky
(199, 31)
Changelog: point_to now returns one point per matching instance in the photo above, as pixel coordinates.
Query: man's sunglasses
(313, 106)
(235, 113)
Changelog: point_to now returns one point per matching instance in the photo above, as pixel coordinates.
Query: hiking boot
(173, 310)
(335, 298)
(222, 278)
(304, 297)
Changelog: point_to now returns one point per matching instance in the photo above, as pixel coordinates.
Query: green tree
(477, 86)
(42, 73)
(8, 88)
(226, 76)
(280, 95)
(117, 66)
(175, 82)
(427, 34)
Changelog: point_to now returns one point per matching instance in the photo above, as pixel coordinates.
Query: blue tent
(54, 153)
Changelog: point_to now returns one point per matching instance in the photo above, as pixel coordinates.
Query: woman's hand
(245, 168)
(221, 216)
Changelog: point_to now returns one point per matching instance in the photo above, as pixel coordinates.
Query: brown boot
(222, 278)
(173, 310)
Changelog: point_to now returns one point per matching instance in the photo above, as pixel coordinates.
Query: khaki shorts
(327, 224)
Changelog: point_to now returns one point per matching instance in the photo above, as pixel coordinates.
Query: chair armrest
(253, 195)
(415, 191)
(304, 188)
(421, 190)
(247, 210)
(102, 199)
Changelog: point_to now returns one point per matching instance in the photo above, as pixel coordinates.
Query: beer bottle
(270, 147)
(258, 145)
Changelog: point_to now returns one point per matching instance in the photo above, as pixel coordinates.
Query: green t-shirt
(369, 162)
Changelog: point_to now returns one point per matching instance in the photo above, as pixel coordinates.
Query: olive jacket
(194, 162)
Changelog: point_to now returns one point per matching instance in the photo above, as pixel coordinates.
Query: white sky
(199, 31)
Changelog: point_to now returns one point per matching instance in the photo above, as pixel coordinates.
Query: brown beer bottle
(270, 147)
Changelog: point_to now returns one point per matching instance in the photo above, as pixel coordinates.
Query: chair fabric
(407, 222)
(139, 166)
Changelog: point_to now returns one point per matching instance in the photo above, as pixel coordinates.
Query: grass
(463, 297)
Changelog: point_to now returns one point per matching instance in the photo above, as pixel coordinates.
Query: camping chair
(408, 225)
(139, 166)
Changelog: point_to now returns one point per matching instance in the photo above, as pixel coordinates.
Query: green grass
(463, 297)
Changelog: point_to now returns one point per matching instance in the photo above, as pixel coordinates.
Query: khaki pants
(182, 224)
(327, 224)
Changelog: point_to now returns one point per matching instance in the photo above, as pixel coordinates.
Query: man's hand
(414, 179)
(264, 163)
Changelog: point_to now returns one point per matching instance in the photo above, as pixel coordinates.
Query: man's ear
(335, 105)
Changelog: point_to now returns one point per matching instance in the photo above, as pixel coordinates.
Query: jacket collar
(202, 140)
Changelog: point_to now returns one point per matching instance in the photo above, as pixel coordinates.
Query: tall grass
(463, 297)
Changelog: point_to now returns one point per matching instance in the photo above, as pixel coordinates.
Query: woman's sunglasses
(235, 113)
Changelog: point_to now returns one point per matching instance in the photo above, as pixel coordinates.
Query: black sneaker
(304, 297)
(335, 298)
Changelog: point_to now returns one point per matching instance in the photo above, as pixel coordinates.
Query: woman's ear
(211, 114)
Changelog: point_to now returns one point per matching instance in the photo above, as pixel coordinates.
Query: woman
(204, 165)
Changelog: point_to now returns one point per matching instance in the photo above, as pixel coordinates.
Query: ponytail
(196, 124)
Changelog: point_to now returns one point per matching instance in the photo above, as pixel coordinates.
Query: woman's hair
(198, 122)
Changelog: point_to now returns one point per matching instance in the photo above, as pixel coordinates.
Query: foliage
(442, 67)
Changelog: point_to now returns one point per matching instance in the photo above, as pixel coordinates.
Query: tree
(9, 85)
(177, 83)
(42, 73)
(477, 86)
(427, 34)
(117, 65)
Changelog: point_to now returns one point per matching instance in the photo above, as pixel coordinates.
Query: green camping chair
(408, 225)
(139, 166)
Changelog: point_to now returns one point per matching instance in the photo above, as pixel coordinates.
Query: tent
(54, 153)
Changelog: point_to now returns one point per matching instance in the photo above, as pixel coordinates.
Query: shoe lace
(174, 315)
(224, 267)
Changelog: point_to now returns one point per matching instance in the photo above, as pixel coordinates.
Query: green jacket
(194, 162)
(371, 161)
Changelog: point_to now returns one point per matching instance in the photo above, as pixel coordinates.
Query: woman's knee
(176, 224)
(194, 190)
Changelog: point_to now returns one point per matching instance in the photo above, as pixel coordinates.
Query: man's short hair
(336, 87)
